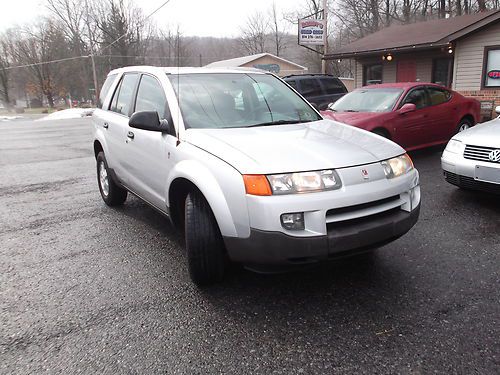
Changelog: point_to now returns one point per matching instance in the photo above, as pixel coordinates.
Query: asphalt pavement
(89, 289)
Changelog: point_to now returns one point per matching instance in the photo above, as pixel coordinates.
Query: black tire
(204, 244)
(464, 124)
(116, 195)
(382, 133)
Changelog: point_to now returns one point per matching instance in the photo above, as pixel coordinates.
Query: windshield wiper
(350, 110)
(279, 122)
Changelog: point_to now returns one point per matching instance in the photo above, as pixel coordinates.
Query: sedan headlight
(455, 147)
(396, 167)
(304, 182)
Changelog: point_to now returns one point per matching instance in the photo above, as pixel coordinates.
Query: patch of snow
(68, 114)
(8, 118)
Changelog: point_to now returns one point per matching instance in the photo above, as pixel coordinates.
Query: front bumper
(342, 239)
(461, 172)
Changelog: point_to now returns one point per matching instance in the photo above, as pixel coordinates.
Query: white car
(247, 169)
(471, 159)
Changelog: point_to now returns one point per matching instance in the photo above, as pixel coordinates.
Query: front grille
(354, 222)
(480, 153)
(342, 210)
(470, 183)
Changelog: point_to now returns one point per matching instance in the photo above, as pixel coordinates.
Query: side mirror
(497, 109)
(408, 107)
(149, 120)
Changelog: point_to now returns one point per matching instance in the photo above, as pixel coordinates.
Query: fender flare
(99, 137)
(205, 181)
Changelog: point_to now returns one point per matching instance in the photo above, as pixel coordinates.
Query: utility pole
(94, 73)
(325, 47)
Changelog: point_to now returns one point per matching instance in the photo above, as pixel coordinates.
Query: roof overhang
(404, 49)
(492, 18)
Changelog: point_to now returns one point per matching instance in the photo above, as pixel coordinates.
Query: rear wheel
(204, 244)
(464, 124)
(111, 193)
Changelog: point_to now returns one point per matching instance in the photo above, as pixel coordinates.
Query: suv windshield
(368, 100)
(232, 100)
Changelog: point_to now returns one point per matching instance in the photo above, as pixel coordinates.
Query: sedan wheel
(463, 125)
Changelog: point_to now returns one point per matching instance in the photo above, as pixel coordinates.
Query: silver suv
(247, 169)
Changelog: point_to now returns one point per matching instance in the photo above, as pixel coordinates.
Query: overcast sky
(195, 17)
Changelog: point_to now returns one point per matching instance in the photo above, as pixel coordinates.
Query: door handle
(105, 125)
(130, 135)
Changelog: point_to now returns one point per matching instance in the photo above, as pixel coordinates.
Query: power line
(85, 56)
(45, 62)
(147, 17)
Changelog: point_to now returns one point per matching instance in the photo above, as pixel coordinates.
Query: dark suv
(319, 89)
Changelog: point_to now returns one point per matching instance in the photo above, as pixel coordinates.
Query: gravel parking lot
(89, 289)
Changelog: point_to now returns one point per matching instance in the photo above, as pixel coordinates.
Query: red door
(406, 71)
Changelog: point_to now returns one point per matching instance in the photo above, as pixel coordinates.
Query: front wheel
(204, 244)
(382, 133)
(464, 124)
(111, 193)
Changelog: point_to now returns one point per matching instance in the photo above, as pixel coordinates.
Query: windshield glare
(368, 100)
(231, 100)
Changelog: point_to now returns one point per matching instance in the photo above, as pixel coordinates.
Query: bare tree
(277, 31)
(5, 63)
(254, 34)
(37, 45)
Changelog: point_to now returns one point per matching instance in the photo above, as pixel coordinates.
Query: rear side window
(333, 86)
(438, 96)
(122, 99)
(151, 97)
(292, 83)
(310, 87)
(105, 89)
(417, 97)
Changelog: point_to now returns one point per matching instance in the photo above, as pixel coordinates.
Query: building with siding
(462, 53)
(264, 61)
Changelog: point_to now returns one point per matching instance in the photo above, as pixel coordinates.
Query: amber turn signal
(256, 184)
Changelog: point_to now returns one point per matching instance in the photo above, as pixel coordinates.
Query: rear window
(438, 96)
(122, 99)
(333, 86)
(292, 83)
(105, 89)
(310, 87)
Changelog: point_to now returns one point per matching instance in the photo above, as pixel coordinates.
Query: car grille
(479, 153)
(370, 209)
(470, 183)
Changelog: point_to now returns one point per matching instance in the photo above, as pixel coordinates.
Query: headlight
(396, 167)
(455, 147)
(304, 182)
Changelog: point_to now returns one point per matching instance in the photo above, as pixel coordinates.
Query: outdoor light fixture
(389, 57)
(450, 50)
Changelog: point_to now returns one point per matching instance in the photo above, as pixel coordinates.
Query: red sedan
(413, 114)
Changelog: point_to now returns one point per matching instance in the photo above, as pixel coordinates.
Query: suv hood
(310, 146)
(486, 134)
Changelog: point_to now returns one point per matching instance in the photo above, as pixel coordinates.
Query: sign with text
(312, 32)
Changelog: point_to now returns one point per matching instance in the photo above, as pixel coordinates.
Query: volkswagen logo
(494, 155)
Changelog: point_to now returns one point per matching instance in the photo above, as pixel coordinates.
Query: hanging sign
(312, 32)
